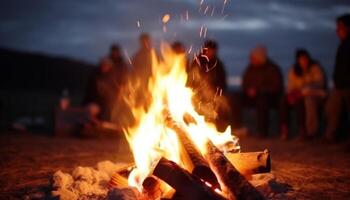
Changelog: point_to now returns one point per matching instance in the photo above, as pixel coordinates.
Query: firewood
(151, 187)
(118, 181)
(251, 162)
(186, 185)
(200, 165)
(232, 182)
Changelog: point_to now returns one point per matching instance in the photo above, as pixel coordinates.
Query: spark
(189, 50)
(212, 11)
(166, 18)
(127, 56)
(205, 32)
(224, 17)
(206, 10)
(209, 69)
(201, 30)
(206, 57)
(223, 6)
(138, 23)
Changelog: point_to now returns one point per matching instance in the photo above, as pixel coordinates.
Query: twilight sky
(84, 29)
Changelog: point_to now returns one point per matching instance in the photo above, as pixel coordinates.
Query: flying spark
(138, 23)
(166, 18)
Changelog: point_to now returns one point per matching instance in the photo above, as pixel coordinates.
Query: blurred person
(339, 99)
(207, 77)
(107, 87)
(142, 60)
(115, 67)
(262, 87)
(306, 90)
(179, 49)
(119, 64)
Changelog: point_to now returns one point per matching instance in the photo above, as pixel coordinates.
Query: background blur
(47, 46)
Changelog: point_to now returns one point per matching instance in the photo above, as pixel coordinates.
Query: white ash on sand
(84, 182)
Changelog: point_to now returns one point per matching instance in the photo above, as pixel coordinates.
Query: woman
(306, 89)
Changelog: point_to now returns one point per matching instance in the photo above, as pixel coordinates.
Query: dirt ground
(313, 170)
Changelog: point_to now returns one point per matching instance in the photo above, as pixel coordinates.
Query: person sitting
(340, 94)
(262, 87)
(306, 90)
(207, 77)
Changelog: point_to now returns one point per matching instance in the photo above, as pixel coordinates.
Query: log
(234, 184)
(151, 188)
(200, 165)
(186, 185)
(118, 181)
(251, 162)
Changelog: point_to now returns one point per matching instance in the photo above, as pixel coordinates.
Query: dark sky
(84, 29)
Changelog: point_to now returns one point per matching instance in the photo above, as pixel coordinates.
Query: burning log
(186, 185)
(200, 165)
(152, 188)
(234, 184)
(118, 181)
(251, 162)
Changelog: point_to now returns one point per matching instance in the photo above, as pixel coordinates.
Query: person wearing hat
(340, 95)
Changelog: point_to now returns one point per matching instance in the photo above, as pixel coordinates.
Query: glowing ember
(166, 18)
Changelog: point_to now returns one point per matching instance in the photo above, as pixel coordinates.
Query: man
(340, 95)
(207, 77)
(119, 64)
(142, 60)
(105, 82)
(262, 86)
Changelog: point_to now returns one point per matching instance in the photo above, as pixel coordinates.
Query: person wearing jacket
(207, 78)
(306, 89)
(340, 95)
(262, 87)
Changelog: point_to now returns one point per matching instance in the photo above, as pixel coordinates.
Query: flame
(148, 137)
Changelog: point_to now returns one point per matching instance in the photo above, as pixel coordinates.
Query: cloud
(225, 25)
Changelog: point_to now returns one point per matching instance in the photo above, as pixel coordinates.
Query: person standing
(142, 60)
(340, 95)
(207, 77)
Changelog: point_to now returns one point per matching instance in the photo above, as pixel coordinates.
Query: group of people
(263, 87)
(306, 90)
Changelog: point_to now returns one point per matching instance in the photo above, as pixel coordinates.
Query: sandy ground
(313, 170)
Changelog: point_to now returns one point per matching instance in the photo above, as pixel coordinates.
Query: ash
(91, 183)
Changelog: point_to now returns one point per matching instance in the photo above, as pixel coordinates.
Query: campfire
(177, 152)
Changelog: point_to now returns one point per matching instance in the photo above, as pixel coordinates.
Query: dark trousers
(338, 102)
(299, 107)
(262, 104)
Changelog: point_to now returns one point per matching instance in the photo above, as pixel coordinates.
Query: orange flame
(149, 138)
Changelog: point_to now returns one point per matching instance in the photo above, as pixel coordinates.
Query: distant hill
(39, 72)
